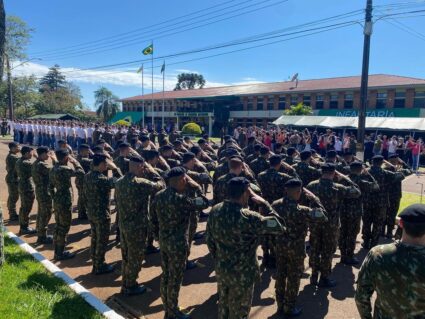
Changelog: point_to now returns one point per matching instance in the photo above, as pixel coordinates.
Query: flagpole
(143, 97)
(163, 94)
(153, 112)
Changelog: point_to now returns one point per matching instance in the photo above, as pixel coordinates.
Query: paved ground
(414, 184)
(198, 293)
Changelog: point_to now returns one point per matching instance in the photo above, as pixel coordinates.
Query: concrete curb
(76, 287)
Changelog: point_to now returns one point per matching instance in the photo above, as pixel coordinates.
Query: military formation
(274, 199)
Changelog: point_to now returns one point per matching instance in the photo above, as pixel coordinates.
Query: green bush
(192, 129)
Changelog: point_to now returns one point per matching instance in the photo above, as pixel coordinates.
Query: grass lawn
(409, 199)
(27, 290)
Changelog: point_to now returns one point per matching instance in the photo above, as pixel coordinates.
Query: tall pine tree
(53, 80)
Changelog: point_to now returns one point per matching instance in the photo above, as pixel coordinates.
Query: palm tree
(106, 103)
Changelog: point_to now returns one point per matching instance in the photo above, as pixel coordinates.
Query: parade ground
(198, 294)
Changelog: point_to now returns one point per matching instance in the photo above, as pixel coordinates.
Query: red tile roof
(349, 82)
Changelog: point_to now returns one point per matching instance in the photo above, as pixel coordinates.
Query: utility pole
(10, 88)
(365, 77)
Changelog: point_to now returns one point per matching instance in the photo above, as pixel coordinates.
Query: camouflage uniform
(132, 195)
(233, 234)
(12, 183)
(397, 273)
(374, 220)
(85, 163)
(249, 150)
(170, 219)
(324, 237)
(307, 173)
(259, 165)
(122, 162)
(26, 190)
(220, 186)
(43, 191)
(60, 178)
(97, 189)
(351, 214)
(395, 195)
(290, 250)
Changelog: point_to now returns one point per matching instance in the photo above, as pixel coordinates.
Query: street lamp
(9, 83)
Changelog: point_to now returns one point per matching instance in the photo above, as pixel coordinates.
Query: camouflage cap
(42, 150)
(176, 172)
(293, 183)
(414, 214)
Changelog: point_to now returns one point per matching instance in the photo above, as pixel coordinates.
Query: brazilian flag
(148, 50)
(124, 122)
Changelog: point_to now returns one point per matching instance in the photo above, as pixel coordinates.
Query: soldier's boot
(266, 258)
(132, 291)
(314, 278)
(82, 215)
(151, 249)
(203, 215)
(198, 235)
(60, 254)
(103, 269)
(44, 240)
(182, 315)
(326, 282)
(118, 237)
(191, 265)
(351, 261)
(13, 216)
(25, 230)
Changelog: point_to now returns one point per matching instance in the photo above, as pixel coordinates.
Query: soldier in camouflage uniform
(193, 190)
(60, 178)
(233, 233)
(26, 189)
(290, 249)
(236, 168)
(352, 211)
(223, 168)
(253, 156)
(249, 149)
(123, 160)
(324, 237)
(305, 171)
(291, 154)
(85, 161)
(261, 163)
(373, 224)
(395, 192)
(132, 194)
(97, 187)
(396, 272)
(170, 221)
(40, 174)
(12, 180)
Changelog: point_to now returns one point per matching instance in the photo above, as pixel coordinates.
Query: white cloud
(122, 77)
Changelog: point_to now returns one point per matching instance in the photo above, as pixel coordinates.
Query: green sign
(193, 114)
(371, 112)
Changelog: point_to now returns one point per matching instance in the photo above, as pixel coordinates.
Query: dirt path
(198, 293)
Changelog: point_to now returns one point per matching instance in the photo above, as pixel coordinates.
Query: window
(250, 103)
(307, 100)
(282, 102)
(260, 103)
(381, 100)
(348, 101)
(238, 106)
(419, 100)
(294, 100)
(333, 104)
(270, 103)
(319, 102)
(400, 100)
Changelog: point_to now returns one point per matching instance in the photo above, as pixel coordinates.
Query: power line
(158, 35)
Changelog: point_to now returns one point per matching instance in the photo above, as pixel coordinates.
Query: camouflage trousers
(289, 269)
(63, 216)
(100, 223)
(323, 241)
(27, 200)
(173, 264)
(133, 243)
(12, 198)
(373, 223)
(235, 296)
(392, 212)
(81, 203)
(193, 225)
(44, 213)
(350, 228)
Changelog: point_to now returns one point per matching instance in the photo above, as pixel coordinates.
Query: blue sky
(65, 24)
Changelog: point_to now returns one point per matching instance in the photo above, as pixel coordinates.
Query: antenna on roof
(295, 79)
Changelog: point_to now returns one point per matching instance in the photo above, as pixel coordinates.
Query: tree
(106, 103)
(299, 109)
(53, 80)
(189, 81)
(18, 35)
(2, 37)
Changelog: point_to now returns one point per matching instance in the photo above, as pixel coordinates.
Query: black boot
(60, 254)
(326, 282)
(351, 261)
(25, 230)
(294, 312)
(103, 269)
(82, 216)
(44, 240)
(314, 278)
(151, 249)
(190, 265)
(13, 217)
(132, 291)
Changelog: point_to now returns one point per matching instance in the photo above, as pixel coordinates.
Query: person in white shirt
(392, 146)
(338, 146)
(81, 133)
(71, 135)
(90, 130)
